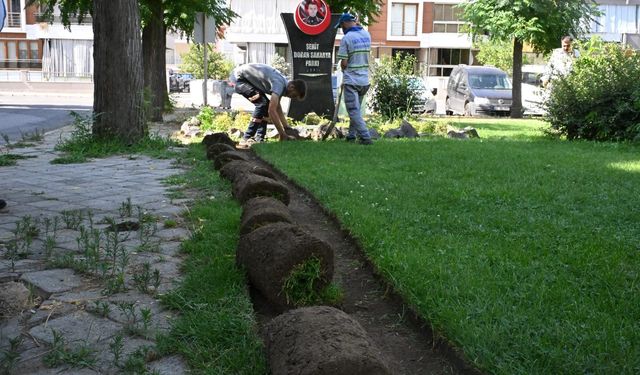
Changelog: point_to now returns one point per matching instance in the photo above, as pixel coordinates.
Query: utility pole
(206, 60)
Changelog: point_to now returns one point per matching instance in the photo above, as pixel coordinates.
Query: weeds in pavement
(60, 354)
(170, 223)
(7, 160)
(102, 308)
(126, 208)
(10, 356)
(135, 325)
(72, 218)
(116, 347)
(144, 279)
(136, 362)
(19, 247)
(50, 234)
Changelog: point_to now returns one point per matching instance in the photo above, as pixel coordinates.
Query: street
(25, 113)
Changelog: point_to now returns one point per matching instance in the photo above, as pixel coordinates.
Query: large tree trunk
(154, 45)
(516, 105)
(118, 81)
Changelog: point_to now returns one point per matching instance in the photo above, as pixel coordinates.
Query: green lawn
(523, 251)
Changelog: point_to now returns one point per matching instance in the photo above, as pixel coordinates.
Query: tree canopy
(539, 23)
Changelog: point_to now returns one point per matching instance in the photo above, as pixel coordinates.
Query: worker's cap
(345, 17)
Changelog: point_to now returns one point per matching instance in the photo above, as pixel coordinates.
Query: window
(447, 18)
(616, 19)
(443, 60)
(404, 19)
(23, 52)
(34, 50)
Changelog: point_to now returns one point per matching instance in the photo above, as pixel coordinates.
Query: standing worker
(254, 82)
(353, 54)
(561, 61)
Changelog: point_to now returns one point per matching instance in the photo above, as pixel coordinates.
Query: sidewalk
(62, 313)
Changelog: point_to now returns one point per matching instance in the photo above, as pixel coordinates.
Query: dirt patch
(270, 254)
(321, 340)
(14, 298)
(260, 211)
(405, 341)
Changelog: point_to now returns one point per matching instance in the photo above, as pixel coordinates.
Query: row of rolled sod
(291, 268)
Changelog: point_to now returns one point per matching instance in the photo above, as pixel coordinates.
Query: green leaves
(600, 99)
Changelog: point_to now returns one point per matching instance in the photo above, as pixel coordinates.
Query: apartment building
(620, 22)
(258, 34)
(41, 50)
(432, 31)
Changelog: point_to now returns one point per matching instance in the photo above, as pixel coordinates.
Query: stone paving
(93, 292)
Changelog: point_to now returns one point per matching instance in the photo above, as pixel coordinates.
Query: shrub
(218, 68)
(600, 99)
(393, 94)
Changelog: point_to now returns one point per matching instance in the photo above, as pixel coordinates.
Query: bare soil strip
(405, 341)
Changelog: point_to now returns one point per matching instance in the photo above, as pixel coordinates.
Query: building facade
(619, 22)
(43, 50)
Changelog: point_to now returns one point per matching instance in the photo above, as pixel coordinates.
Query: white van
(532, 91)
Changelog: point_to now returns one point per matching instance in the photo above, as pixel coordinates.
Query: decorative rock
(216, 149)
(321, 340)
(270, 253)
(249, 185)
(227, 156)
(374, 133)
(457, 134)
(317, 134)
(393, 133)
(471, 132)
(218, 138)
(14, 298)
(260, 211)
(407, 130)
(53, 281)
(235, 168)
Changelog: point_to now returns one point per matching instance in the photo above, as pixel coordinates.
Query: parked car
(426, 101)
(473, 90)
(532, 92)
(179, 82)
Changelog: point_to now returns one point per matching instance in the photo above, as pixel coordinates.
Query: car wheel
(467, 109)
(447, 107)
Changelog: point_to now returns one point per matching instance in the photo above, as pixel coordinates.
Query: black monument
(313, 63)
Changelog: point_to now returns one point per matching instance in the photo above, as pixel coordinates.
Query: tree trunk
(118, 80)
(154, 45)
(516, 105)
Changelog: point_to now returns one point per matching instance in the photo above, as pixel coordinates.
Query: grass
(522, 250)
(7, 160)
(300, 288)
(82, 145)
(216, 330)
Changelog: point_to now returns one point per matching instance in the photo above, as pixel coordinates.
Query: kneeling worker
(254, 82)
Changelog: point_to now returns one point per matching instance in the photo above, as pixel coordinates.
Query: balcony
(14, 20)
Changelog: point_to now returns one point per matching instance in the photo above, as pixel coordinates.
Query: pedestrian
(561, 61)
(353, 54)
(255, 82)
